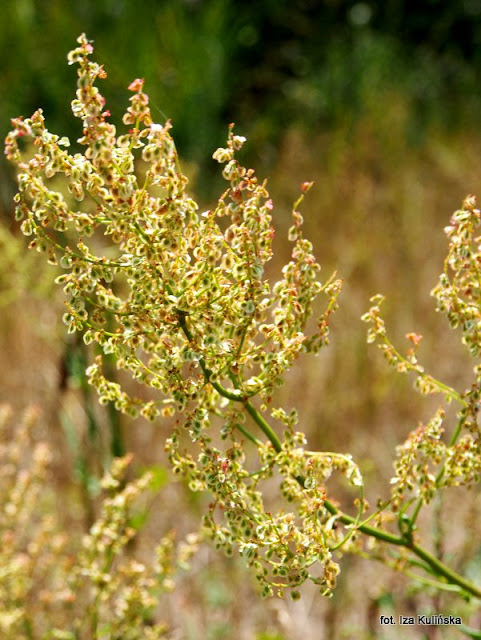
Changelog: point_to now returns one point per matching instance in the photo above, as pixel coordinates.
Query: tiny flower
(136, 85)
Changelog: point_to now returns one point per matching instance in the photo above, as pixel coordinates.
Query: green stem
(440, 474)
(248, 435)
(374, 532)
(416, 368)
(353, 528)
(263, 424)
(438, 567)
(230, 395)
(443, 570)
(455, 435)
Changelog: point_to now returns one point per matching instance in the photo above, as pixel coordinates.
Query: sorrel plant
(180, 299)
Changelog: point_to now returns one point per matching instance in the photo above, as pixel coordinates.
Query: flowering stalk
(180, 300)
(55, 583)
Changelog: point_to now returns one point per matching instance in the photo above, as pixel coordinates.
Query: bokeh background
(379, 103)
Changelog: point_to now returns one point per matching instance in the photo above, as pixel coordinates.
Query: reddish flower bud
(137, 84)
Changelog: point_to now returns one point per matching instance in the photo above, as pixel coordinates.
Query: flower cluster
(32, 550)
(426, 462)
(179, 297)
(120, 593)
(53, 584)
(424, 383)
(281, 547)
(459, 289)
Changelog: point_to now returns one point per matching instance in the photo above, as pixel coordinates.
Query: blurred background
(379, 104)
